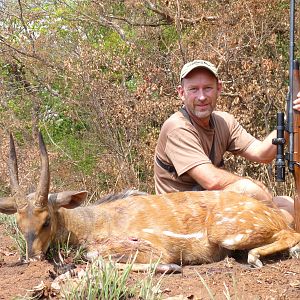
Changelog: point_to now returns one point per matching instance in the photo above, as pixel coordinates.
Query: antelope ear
(8, 205)
(70, 199)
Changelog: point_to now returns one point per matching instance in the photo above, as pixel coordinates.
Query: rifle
(292, 127)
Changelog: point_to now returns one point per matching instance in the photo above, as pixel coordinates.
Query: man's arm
(261, 151)
(213, 178)
(264, 151)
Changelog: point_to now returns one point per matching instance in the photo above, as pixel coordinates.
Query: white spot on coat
(195, 235)
(148, 230)
(225, 219)
(249, 204)
(233, 241)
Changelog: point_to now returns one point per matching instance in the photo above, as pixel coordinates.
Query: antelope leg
(285, 240)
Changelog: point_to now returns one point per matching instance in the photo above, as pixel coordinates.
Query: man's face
(199, 91)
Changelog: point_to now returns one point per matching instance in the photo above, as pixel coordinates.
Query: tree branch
(25, 26)
(171, 19)
(136, 24)
(101, 20)
(27, 54)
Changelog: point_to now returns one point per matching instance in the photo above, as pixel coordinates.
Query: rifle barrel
(290, 111)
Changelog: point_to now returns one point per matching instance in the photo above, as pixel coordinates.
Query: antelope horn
(41, 195)
(13, 167)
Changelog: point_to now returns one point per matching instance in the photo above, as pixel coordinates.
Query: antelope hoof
(168, 268)
(295, 251)
(92, 255)
(254, 261)
(39, 257)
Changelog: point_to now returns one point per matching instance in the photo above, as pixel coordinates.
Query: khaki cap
(188, 67)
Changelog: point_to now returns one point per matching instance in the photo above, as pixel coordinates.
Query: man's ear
(180, 92)
(70, 199)
(219, 87)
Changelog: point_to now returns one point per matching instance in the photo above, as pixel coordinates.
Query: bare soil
(278, 279)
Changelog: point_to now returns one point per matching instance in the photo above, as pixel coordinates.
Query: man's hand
(296, 103)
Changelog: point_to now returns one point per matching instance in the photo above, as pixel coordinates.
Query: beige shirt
(185, 145)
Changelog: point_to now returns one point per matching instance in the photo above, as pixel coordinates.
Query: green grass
(236, 294)
(103, 280)
(147, 289)
(13, 232)
(61, 251)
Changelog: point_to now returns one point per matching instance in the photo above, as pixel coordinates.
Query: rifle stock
(296, 146)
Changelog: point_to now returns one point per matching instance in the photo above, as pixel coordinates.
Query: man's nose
(201, 95)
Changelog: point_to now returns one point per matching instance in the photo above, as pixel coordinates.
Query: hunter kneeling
(192, 142)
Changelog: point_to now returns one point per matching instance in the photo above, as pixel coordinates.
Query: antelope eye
(46, 223)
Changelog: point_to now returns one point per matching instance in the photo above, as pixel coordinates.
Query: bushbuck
(175, 229)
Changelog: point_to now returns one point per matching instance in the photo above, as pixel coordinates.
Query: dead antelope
(177, 229)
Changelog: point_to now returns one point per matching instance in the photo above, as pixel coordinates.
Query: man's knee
(286, 206)
(285, 202)
(252, 188)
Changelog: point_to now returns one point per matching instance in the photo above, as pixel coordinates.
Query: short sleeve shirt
(184, 145)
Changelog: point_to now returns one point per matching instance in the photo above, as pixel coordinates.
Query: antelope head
(35, 214)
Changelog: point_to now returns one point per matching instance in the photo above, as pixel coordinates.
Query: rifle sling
(211, 156)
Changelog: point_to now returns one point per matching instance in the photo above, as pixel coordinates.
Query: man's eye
(192, 89)
(209, 88)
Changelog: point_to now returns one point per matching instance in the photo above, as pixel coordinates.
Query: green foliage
(118, 8)
(112, 41)
(13, 231)
(4, 190)
(94, 91)
(6, 219)
(60, 125)
(169, 37)
(4, 69)
(282, 45)
(20, 107)
(81, 153)
(68, 134)
(131, 83)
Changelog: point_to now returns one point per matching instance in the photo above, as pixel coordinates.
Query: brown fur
(182, 228)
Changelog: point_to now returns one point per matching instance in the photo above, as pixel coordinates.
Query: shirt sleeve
(184, 150)
(240, 139)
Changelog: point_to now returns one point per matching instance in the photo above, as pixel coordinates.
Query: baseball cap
(199, 63)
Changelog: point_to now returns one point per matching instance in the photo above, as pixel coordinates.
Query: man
(192, 142)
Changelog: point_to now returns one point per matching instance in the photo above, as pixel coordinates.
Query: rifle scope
(280, 141)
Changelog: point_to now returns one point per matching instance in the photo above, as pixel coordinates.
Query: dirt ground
(227, 279)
